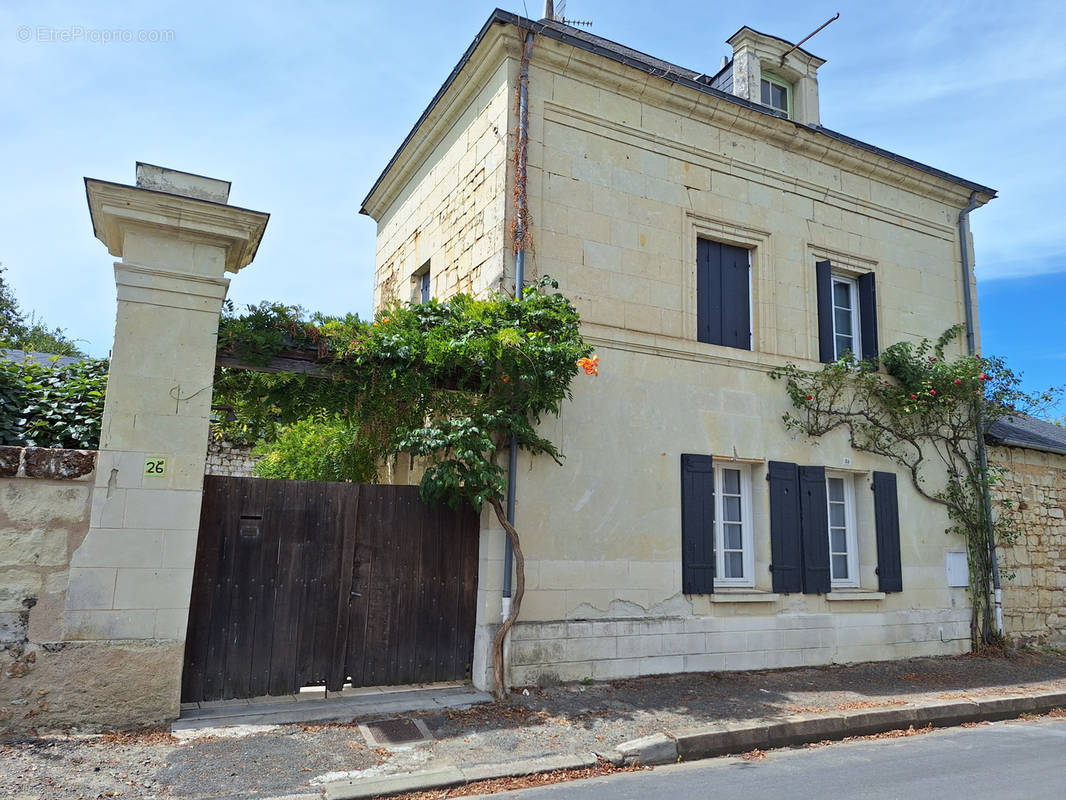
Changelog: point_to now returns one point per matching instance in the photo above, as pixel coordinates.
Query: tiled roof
(44, 359)
(653, 66)
(1028, 432)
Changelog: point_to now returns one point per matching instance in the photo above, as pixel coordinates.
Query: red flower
(932, 391)
(932, 358)
(983, 377)
(810, 397)
(914, 397)
(958, 381)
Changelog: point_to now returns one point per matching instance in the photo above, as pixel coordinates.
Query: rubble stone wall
(226, 458)
(1034, 602)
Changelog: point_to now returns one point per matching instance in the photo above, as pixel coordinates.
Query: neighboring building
(1031, 455)
(708, 230)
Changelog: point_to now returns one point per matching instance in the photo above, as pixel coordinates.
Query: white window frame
(850, 529)
(856, 335)
(746, 529)
(774, 80)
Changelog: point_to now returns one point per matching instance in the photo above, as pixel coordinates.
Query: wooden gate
(300, 583)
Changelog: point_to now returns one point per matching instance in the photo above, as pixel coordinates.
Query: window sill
(743, 596)
(838, 595)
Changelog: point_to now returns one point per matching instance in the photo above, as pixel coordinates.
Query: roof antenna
(556, 12)
(809, 35)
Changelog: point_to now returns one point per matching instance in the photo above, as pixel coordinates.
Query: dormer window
(776, 93)
(775, 74)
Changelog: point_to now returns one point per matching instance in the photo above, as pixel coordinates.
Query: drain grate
(393, 732)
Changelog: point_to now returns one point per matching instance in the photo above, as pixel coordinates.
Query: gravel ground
(295, 759)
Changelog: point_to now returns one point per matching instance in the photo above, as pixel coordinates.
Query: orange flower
(590, 365)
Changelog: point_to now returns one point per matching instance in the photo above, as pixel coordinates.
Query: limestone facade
(627, 171)
(1034, 596)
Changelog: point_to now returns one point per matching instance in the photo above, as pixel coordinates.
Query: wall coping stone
(47, 463)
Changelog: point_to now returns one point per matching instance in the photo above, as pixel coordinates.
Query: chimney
(772, 72)
(549, 9)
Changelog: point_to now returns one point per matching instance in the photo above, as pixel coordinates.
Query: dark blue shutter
(708, 291)
(786, 551)
(736, 306)
(814, 521)
(826, 343)
(868, 315)
(723, 306)
(697, 524)
(886, 523)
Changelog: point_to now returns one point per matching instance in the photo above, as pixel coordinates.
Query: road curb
(732, 738)
(719, 740)
(452, 776)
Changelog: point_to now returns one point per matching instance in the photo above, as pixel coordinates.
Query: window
(847, 314)
(845, 317)
(717, 539)
(776, 93)
(734, 562)
(423, 284)
(813, 531)
(723, 294)
(843, 550)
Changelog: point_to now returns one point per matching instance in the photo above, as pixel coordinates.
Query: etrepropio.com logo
(48, 34)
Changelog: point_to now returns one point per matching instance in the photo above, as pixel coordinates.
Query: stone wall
(46, 682)
(1034, 602)
(226, 458)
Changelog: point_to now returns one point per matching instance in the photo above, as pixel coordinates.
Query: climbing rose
(914, 397)
(958, 381)
(983, 377)
(932, 391)
(810, 397)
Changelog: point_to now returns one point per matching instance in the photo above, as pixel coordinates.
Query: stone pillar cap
(116, 208)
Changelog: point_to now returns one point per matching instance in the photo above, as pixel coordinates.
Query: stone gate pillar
(131, 578)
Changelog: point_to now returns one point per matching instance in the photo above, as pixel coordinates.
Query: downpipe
(982, 454)
(519, 283)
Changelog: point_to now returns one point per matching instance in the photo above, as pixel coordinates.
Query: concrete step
(337, 707)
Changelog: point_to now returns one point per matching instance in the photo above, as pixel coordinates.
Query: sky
(301, 105)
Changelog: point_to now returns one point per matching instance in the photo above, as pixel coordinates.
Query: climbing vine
(51, 405)
(923, 410)
(449, 382)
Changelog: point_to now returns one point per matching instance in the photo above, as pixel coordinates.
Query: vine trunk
(499, 689)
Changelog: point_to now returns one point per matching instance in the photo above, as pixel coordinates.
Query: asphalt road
(1016, 759)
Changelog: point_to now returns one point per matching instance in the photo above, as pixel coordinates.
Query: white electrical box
(958, 570)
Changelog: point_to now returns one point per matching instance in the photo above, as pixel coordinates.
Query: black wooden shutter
(826, 343)
(786, 550)
(723, 312)
(708, 291)
(886, 522)
(814, 522)
(697, 524)
(736, 306)
(868, 315)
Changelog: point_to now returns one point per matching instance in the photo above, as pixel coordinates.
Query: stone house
(709, 229)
